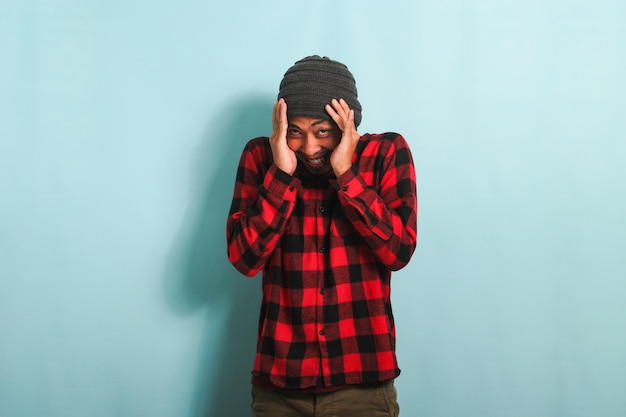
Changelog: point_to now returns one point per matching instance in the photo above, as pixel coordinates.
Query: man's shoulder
(258, 147)
(258, 142)
(382, 141)
(385, 137)
(256, 155)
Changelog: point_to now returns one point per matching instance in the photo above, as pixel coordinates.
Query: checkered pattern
(326, 247)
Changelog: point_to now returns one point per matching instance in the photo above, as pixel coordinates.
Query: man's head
(307, 87)
(311, 83)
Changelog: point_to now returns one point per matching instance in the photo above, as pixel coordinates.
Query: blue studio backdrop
(121, 123)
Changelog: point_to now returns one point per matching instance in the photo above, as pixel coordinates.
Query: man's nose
(311, 145)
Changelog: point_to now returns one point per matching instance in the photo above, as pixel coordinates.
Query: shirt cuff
(350, 183)
(280, 184)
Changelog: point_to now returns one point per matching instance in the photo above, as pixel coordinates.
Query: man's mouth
(316, 162)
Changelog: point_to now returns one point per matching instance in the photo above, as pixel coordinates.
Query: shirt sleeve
(262, 202)
(384, 214)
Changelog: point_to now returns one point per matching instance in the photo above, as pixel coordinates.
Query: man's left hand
(343, 115)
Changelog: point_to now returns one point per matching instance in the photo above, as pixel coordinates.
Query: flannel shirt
(326, 247)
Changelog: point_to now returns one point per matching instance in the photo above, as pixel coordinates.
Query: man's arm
(386, 217)
(262, 202)
(261, 205)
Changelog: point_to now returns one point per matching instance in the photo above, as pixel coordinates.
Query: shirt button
(344, 188)
(322, 332)
(322, 291)
(322, 249)
(322, 209)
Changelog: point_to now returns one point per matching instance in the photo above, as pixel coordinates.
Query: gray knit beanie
(313, 82)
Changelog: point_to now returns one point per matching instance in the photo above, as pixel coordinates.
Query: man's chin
(321, 170)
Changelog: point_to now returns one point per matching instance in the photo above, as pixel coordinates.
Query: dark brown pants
(359, 401)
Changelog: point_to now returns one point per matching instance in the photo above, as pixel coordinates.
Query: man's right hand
(284, 157)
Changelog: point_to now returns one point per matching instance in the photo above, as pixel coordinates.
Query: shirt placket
(321, 244)
(314, 230)
(322, 227)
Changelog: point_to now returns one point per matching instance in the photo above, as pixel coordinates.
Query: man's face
(313, 141)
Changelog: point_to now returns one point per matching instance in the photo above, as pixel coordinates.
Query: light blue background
(121, 125)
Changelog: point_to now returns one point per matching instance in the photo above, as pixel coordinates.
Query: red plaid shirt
(326, 247)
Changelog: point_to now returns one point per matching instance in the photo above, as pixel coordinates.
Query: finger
(337, 118)
(283, 111)
(337, 106)
(283, 119)
(280, 112)
(279, 122)
(344, 105)
(331, 110)
(342, 109)
(341, 106)
(276, 113)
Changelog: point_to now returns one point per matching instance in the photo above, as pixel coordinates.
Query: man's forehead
(302, 121)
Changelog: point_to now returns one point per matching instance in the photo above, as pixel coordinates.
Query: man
(326, 214)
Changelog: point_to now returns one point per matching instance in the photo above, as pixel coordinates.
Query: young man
(326, 215)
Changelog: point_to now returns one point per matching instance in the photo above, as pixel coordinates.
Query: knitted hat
(313, 82)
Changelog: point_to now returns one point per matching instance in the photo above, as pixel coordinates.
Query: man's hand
(284, 157)
(343, 115)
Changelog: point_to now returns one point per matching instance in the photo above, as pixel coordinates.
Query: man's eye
(323, 131)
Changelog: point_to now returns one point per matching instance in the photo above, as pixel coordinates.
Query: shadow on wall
(199, 275)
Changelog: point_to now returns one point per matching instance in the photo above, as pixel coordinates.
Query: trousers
(373, 400)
